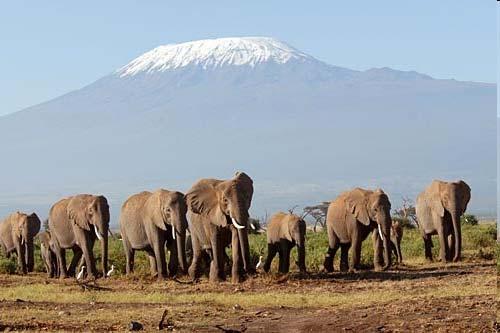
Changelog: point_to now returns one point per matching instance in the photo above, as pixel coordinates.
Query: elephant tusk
(236, 225)
(97, 233)
(252, 226)
(380, 232)
(173, 232)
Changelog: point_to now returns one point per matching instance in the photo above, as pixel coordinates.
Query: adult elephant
(218, 212)
(147, 221)
(75, 222)
(350, 218)
(284, 231)
(438, 209)
(17, 233)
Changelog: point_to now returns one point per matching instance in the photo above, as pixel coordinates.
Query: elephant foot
(215, 279)
(235, 279)
(353, 270)
(328, 263)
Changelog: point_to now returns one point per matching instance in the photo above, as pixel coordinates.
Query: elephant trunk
(29, 253)
(181, 244)
(241, 218)
(301, 248)
(387, 251)
(104, 252)
(458, 236)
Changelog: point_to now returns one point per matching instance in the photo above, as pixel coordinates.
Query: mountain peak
(213, 53)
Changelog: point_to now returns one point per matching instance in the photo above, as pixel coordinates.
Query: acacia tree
(406, 214)
(318, 213)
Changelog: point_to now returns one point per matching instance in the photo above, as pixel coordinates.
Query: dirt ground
(421, 298)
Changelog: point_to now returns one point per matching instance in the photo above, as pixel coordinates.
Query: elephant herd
(218, 214)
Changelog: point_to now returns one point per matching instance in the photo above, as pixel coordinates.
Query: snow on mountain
(303, 129)
(214, 53)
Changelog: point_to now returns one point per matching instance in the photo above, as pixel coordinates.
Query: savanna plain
(416, 296)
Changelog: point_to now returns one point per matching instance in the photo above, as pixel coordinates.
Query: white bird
(108, 274)
(80, 274)
(259, 263)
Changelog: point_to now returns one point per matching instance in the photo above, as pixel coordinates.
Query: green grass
(479, 242)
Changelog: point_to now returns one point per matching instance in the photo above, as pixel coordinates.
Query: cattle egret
(80, 274)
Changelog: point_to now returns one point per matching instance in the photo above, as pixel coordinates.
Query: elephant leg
(129, 255)
(216, 273)
(333, 246)
(284, 256)
(428, 246)
(173, 263)
(75, 261)
(86, 247)
(153, 268)
(236, 253)
(356, 253)
(61, 262)
(344, 257)
(272, 249)
(378, 260)
(443, 244)
(398, 249)
(451, 246)
(159, 253)
(194, 268)
(21, 258)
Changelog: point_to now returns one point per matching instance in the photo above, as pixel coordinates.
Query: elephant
(17, 233)
(48, 254)
(438, 209)
(396, 237)
(284, 231)
(350, 218)
(75, 222)
(218, 213)
(148, 220)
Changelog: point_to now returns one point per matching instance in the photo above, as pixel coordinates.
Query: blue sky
(52, 47)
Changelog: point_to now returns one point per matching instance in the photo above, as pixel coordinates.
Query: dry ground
(414, 298)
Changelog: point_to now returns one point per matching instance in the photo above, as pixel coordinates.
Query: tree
(318, 213)
(406, 215)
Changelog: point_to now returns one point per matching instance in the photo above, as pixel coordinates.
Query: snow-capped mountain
(211, 54)
(303, 129)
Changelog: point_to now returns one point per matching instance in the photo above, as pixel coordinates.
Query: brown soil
(427, 313)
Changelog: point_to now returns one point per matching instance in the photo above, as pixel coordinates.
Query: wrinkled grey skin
(17, 233)
(218, 212)
(396, 237)
(284, 231)
(75, 223)
(439, 208)
(147, 221)
(351, 217)
(48, 254)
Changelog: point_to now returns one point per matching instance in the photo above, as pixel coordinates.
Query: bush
(8, 266)
(404, 222)
(468, 219)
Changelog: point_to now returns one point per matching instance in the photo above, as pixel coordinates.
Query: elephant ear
(433, 198)
(356, 203)
(245, 185)
(77, 213)
(285, 227)
(34, 224)
(157, 216)
(203, 199)
(17, 224)
(465, 195)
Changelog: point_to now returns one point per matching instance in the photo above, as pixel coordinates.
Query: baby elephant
(284, 231)
(48, 254)
(396, 236)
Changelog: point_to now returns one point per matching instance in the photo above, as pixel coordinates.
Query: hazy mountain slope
(304, 130)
